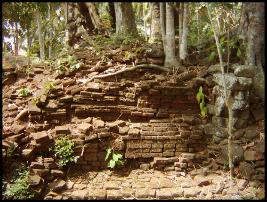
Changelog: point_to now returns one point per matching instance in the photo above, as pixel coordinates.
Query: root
(151, 66)
(23, 113)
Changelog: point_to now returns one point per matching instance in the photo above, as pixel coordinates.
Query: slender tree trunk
(16, 40)
(163, 24)
(125, 19)
(112, 14)
(170, 59)
(227, 96)
(180, 26)
(50, 31)
(144, 22)
(40, 35)
(155, 23)
(28, 47)
(65, 7)
(183, 50)
(197, 19)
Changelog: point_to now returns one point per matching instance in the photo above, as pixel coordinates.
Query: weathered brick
(168, 153)
(157, 150)
(133, 131)
(145, 150)
(157, 145)
(160, 129)
(145, 145)
(147, 128)
(169, 146)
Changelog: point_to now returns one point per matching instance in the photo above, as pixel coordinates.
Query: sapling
(228, 99)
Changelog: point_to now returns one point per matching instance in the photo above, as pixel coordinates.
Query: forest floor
(129, 183)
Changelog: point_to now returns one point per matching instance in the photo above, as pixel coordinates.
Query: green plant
(70, 62)
(24, 92)
(11, 149)
(19, 187)
(201, 101)
(115, 160)
(64, 151)
(49, 86)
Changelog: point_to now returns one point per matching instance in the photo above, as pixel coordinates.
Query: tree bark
(253, 28)
(170, 59)
(180, 25)
(40, 35)
(155, 23)
(50, 31)
(112, 14)
(163, 24)
(16, 39)
(65, 8)
(94, 16)
(183, 46)
(125, 19)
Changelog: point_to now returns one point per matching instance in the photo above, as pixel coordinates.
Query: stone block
(62, 130)
(40, 137)
(84, 127)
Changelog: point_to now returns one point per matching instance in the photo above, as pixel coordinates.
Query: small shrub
(64, 151)
(115, 160)
(24, 92)
(19, 187)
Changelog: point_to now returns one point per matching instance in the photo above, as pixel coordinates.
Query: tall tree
(163, 23)
(98, 25)
(252, 30)
(155, 23)
(181, 8)
(183, 45)
(50, 31)
(170, 59)
(125, 19)
(40, 34)
(112, 14)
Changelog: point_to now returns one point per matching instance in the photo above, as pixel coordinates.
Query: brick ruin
(143, 119)
(143, 115)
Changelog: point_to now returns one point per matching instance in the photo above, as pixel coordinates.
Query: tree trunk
(28, 47)
(125, 19)
(94, 16)
(180, 25)
(183, 47)
(16, 39)
(163, 24)
(170, 59)
(112, 14)
(253, 28)
(50, 31)
(155, 23)
(65, 8)
(40, 35)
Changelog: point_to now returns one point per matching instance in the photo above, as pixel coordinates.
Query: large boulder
(238, 153)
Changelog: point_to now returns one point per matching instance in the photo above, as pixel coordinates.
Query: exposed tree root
(23, 113)
(151, 66)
